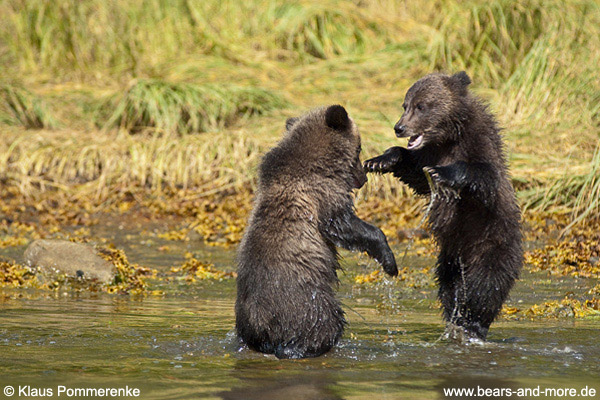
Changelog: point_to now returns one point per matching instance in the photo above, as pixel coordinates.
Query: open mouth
(415, 141)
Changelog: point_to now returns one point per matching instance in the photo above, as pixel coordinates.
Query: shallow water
(182, 346)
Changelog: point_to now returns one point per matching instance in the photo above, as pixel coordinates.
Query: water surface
(183, 346)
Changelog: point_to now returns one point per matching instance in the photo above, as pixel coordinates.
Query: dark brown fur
(303, 208)
(474, 215)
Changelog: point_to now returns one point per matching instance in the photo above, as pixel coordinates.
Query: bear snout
(400, 129)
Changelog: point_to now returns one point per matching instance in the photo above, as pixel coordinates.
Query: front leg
(476, 180)
(386, 162)
(403, 164)
(346, 230)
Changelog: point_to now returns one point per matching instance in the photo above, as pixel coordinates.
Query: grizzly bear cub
(474, 215)
(303, 208)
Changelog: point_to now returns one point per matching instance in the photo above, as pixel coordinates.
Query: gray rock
(407, 234)
(75, 260)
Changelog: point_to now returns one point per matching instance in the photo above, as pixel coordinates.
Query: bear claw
(442, 186)
(379, 164)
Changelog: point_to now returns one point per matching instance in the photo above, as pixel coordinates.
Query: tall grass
(488, 38)
(578, 195)
(536, 52)
(588, 198)
(78, 38)
(320, 30)
(102, 164)
(210, 66)
(185, 108)
(21, 107)
(74, 38)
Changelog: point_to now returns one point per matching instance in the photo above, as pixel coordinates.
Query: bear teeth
(415, 141)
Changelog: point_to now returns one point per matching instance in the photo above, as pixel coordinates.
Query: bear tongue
(414, 141)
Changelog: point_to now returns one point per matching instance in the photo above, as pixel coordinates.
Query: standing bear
(303, 209)
(474, 216)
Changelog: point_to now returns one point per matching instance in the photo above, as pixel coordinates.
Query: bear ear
(337, 118)
(462, 78)
(290, 122)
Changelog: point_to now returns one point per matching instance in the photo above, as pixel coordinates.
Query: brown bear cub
(474, 215)
(303, 209)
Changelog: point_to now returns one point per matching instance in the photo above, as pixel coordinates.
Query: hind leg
(487, 286)
(458, 307)
(291, 351)
(473, 293)
(296, 351)
(452, 292)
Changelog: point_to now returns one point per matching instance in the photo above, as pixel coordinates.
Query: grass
(79, 39)
(578, 195)
(489, 38)
(234, 71)
(185, 108)
(322, 31)
(96, 164)
(588, 196)
(21, 107)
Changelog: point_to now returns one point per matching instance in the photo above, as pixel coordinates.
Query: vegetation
(235, 70)
(167, 107)
(184, 108)
(19, 106)
(128, 278)
(194, 269)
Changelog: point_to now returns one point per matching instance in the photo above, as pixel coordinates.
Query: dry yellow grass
(535, 61)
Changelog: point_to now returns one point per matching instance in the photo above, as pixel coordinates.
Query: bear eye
(420, 107)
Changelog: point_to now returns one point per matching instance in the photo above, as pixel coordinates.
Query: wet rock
(407, 234)
(75, 260)
(549, 222)
(195, 236)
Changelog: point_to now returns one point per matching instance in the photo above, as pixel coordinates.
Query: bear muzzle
(400, 129)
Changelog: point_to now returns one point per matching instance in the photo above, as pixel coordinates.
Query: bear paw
(442, 183)
(385, 162)
(388, 263)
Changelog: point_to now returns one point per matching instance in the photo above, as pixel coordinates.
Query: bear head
(434, 108)
(334, 140)
(321, 145)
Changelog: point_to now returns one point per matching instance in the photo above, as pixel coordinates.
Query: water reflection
(268, 381)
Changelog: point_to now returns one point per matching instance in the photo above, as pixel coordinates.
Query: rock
(407, 234)
(75, 260)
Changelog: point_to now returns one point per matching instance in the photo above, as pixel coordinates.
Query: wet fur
(287, 260)
(474, 216)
